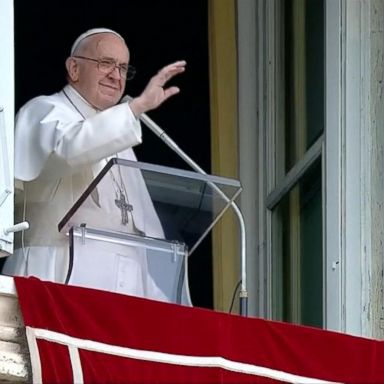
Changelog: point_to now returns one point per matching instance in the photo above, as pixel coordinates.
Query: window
(295, 199)
(6, 127)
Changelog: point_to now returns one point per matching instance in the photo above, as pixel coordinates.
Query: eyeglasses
(126, 72)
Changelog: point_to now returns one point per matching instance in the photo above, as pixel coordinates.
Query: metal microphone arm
(168, 141)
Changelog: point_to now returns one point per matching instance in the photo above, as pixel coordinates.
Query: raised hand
(156, 92)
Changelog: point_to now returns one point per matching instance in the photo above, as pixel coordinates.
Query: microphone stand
(170, 143)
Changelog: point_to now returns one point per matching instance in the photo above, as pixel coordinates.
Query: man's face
(100, 89)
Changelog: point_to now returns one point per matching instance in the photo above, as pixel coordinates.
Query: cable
(234, 295)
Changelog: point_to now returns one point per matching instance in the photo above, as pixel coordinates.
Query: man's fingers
(168, 92)
(171, 70)
(177, 65)
(155, 93)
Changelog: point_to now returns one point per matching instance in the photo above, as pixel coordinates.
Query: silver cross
(124, 208)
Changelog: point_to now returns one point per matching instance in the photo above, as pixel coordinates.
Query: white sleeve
(50, 137)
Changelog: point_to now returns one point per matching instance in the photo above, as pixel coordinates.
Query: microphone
(170, 143)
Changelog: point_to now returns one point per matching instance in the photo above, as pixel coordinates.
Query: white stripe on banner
(34, 355)
(167, 358)
(76, 365)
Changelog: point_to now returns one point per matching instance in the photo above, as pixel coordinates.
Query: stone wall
(14, 355)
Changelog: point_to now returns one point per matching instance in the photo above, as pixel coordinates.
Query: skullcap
(90, 32)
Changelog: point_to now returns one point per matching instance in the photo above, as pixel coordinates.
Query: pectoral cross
(124, 208)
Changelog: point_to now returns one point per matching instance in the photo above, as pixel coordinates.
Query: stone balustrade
(15, 364)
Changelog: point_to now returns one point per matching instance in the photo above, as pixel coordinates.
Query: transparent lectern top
(136, 197)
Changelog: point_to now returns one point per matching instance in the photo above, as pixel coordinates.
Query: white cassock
(57, 154)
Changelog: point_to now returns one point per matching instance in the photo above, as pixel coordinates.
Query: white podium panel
(129, 264)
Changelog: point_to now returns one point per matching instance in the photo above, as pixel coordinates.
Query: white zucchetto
(90, 32)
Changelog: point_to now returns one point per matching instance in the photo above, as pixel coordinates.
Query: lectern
(110, 222)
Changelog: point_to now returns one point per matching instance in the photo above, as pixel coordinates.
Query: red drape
(125, 339)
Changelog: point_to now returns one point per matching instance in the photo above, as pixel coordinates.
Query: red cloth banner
(80, 335)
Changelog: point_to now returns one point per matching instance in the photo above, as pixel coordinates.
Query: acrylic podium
(156, 213)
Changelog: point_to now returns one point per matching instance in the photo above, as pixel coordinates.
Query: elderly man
(63, 140)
